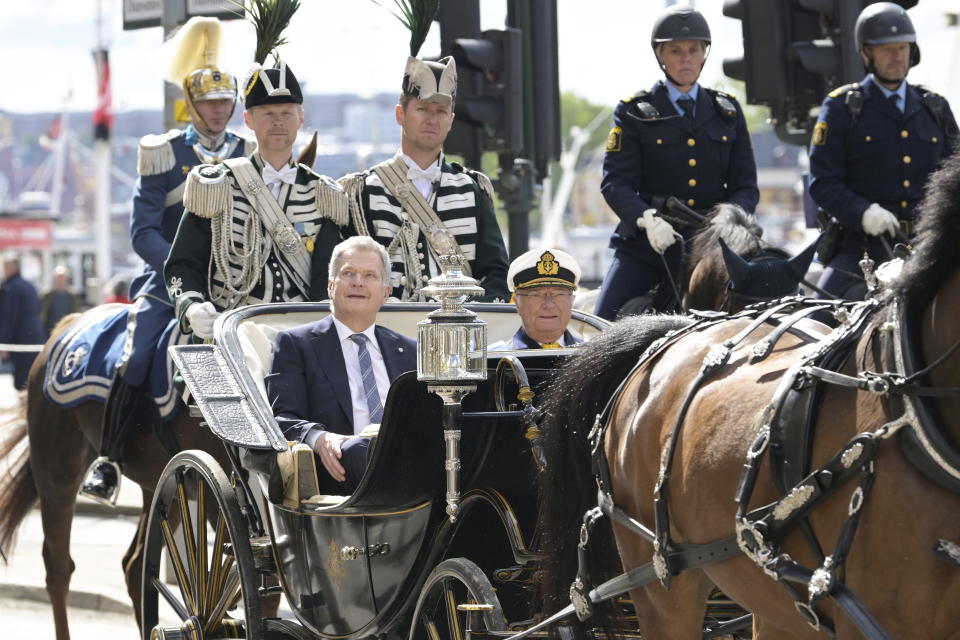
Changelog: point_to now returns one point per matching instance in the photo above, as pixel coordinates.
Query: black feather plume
(417, 16)
(269, 19)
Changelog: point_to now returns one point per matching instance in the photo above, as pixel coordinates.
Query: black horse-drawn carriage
(386, 561)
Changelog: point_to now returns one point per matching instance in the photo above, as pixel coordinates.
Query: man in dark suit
(20, 320)
(329, 378)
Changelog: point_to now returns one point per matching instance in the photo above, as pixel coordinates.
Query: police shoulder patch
(615, 140)
(819, 137)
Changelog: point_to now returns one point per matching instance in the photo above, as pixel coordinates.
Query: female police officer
(677, 139)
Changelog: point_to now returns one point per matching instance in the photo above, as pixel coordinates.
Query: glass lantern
(452, 341)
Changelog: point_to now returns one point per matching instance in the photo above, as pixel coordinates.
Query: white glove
(200, 317)
(877, 220)
(660, 233)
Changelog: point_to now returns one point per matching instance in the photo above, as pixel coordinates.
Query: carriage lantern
(452, 358)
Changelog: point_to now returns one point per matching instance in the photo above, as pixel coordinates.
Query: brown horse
(62, 444)
(890, 567)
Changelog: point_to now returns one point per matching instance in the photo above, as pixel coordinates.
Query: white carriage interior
(256, 335)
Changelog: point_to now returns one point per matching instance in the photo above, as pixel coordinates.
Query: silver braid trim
(248, 253)
(352, 185)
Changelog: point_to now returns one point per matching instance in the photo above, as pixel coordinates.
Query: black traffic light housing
(497, 108)
(795, 52)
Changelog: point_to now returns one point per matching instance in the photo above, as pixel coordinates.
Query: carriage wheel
(196, 518)
(457, 602)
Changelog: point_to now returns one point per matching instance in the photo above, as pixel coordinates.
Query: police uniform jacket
(315, 206)
(880, 155)
(464, 206)
(163, 164)
(652, 150)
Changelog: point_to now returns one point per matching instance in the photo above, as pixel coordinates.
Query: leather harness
(785, 429)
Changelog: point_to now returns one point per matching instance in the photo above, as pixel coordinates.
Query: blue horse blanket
(85, 358)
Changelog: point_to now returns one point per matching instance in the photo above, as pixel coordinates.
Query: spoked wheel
(196, 518)
(457, 603)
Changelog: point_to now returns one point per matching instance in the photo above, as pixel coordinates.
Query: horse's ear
(308, 155)
(737, 267)
(799, 263)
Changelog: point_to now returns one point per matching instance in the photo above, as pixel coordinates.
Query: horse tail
(18, 492)
(578, 392)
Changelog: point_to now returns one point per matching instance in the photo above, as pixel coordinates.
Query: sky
(356, 46)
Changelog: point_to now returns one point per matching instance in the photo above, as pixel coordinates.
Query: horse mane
(935, 254)
(579, 390)
(742, 234)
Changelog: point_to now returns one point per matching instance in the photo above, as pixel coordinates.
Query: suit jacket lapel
(326, 343)
(391, 353)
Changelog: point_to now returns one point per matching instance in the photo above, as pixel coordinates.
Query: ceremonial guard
(677, 139)
(418, 205)
(257, 229)
(873, 148)
(164, 161)
(543, 282)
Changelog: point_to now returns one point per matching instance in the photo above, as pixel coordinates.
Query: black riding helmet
(885, 22)
(679, 23)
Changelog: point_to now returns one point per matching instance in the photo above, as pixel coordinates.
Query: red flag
(54, 131)
(103, 114)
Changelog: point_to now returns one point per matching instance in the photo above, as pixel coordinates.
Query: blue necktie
(369, 381)
(686, 104)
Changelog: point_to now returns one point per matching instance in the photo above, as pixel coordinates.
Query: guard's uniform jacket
(225, 253)
(164, 161)
(462, 200)
(653, 150)
(865, 150)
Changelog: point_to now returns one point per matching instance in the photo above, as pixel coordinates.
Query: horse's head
(770, 275)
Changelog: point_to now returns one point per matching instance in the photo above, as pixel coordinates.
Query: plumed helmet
(885, 22)
(431, 81)
(271, 86)
(192, 55)
(543, 268)
(680, 23)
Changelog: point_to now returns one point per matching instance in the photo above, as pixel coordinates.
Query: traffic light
(462, 21)
(498, 107)
(795, 52)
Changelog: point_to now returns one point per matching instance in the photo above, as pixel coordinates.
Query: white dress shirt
(422, 182)
(351, 360)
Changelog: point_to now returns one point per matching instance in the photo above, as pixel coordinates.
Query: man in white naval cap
(542, 282)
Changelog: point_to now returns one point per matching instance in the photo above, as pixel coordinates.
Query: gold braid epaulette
(352, 185)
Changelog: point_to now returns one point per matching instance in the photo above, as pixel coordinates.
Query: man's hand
(200, 317)
(877, 220)
(660, 233)
(327, 447)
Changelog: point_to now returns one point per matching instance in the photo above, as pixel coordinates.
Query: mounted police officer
(418, 205)
(164, 161)
(873, 147)
(257, 229)
(677, 139)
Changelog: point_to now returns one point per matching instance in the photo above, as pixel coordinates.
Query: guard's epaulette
(480, 178)
(155, 154)
(839, 91)
(207, 191)
(352, 185)
(249, 146)
(331, 198)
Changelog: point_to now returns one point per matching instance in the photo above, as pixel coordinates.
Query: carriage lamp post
(452, 358)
